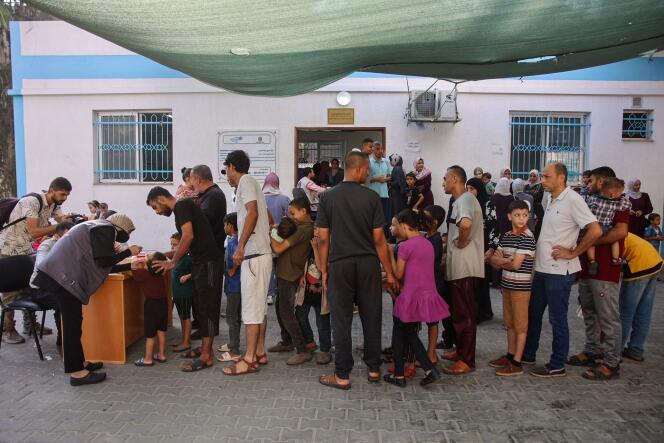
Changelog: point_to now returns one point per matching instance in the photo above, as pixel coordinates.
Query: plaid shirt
(605, 208)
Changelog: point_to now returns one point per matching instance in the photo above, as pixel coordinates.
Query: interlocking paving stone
(287, 404)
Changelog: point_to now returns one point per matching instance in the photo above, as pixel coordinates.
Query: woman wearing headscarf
(641, 207)
(535, 188)
(497, 222)
(277, 206)
(423, 176)
(482, 297)
(518, 189)
(397, 185)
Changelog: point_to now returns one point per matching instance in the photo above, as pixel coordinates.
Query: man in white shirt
(254, 254)
(556, 262)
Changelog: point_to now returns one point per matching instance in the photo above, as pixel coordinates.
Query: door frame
(380, 129)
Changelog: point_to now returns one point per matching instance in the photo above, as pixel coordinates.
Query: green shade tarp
(279, 48)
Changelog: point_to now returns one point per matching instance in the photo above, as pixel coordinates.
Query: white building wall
(58, 116)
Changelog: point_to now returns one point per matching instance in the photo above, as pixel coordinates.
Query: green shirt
(183, 267)
(290, 264)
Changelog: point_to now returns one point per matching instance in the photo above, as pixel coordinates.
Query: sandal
(233, 370)
(398, 381)
(225, 357)
(601, 372)
(142, 363)
(262, 359)
(372, 378)
(331, 381)
(181, 348)
(582, 359)
(195, 365)
(160, 360)
(191, 353)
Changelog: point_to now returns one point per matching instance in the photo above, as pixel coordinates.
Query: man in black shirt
(212, 201)
(198, 239)
(352, 216)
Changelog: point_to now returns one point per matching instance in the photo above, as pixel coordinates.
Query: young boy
(434, 216)
(313, 295)
(653, 233)
(604, 207)
(183, 295)
(231, 351)
(414, 197)
(155, 307)
(515, 256)
(293, 254)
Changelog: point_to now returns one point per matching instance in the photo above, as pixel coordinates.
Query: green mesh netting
(280, 48)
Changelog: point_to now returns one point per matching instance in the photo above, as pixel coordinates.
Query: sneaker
(500, 362)
(91, 378)
(281, 347)
(12, 338)
(546, 372)
(528, 361)
(270, 300)
(509, 370)
(323, 358)
(300, 358)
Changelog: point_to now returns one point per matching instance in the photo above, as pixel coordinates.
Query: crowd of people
(347, 237)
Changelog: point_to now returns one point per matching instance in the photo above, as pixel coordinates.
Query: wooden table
(113, 320)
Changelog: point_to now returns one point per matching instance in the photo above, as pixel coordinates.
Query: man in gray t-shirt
(464, 267)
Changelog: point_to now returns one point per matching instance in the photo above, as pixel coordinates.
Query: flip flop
(141, 363)
(233, 370)
(195, 365)
(160, 360)
(191, 354)
(331, 381)
(181, 348)
(225, 357)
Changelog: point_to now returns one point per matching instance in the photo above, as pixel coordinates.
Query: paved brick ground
(162, 404)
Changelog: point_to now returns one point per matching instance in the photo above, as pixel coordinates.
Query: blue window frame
(134, 147)
(637, 125)
(540, 138)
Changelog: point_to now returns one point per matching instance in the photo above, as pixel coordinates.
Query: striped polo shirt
(510, 245)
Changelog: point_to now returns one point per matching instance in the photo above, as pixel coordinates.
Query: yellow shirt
(643, 260)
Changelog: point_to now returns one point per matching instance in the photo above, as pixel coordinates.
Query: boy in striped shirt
(515, 256)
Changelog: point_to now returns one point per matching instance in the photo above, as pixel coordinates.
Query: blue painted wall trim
(19, 121)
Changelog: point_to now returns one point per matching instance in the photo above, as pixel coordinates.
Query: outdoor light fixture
(343, 98)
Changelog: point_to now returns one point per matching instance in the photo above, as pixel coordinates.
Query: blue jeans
(322, 323)
(550, 290)
(637, 298)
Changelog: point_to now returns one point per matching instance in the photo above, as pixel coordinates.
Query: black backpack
(8, 204)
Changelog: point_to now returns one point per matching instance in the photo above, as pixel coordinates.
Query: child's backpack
(8, 204)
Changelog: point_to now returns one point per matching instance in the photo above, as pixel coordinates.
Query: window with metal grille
(310, 153)
(134, 147)
(540, 138)
(637, 125)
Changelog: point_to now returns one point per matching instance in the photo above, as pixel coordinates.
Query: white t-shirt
(469, 261)
(248, 190)
(563, 218)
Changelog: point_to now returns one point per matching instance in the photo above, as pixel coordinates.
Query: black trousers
(206, 276)
(71, 310)
(355, 280)
(286, 338)
(405, 337)
(286, 312)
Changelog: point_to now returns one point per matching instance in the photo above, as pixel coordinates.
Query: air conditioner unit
(432, 106)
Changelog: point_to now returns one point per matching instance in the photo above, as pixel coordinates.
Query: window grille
(540, 138)
(637, 125)
(134, 147)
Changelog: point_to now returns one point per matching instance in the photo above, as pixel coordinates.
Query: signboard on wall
(340, 116)
(261, 146)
